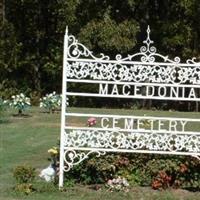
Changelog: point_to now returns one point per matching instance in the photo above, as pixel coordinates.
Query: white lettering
(124, 90)
(183, 92)
(115, 122)
(162, 91)
(183, 123)
(103, 89)
(128, 123)
(173, 92)
(137, 90)
(140, 124)
(172, 125)
(115, 90)
(160, 124)
(192, 93)
(150, 90)
(103, 121)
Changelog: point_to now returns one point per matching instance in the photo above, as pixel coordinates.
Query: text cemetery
(137, 124)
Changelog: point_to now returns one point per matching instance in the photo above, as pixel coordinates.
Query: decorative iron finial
(66, 30)
(148, 50)
(148, 41)
(148, 31)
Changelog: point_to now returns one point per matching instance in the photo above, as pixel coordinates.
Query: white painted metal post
(62, 132)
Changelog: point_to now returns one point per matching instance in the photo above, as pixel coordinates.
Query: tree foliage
(32, 33)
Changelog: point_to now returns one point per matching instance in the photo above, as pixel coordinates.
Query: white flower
(51, 101)
(22, 95)
(20, 101)
(125, 182)
(48, 174)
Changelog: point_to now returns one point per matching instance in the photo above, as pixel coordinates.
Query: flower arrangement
(118, 184)
(91, 121)
(161, 181)
(51, 102)
(50, 172)
(20, 102)
(54, 153)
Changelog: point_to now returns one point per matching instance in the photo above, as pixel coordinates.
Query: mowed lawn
(26, 141)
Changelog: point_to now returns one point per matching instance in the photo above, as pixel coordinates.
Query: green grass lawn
(26, 141)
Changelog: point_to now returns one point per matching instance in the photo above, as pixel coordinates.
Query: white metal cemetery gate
(144, 75)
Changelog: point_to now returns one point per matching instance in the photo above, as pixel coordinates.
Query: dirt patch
(77, 124)
(56, 125)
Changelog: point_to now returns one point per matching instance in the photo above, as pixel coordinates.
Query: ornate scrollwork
(116, 70)
(73, 157)
(133, 141)
(135, 73)
(191, 61)
(147, 52)
(78, 50)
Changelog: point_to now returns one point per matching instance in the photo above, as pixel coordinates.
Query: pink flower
(91, 121)
(109, 182)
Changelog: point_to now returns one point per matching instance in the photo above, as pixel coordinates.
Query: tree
(10, 55)
(34, 45)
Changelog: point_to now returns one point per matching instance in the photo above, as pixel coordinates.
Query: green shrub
(25, 188)
(24, 174)
(158, 171)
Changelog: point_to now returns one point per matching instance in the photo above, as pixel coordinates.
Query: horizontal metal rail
(130, 96)
(131, 83)
(132, 151)
(173, 64)
(131, 130)
(131, 117)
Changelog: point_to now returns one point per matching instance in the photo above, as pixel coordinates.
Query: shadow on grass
(4, 121)
(22, 115)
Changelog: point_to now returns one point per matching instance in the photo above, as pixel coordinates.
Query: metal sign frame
(144, 75)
